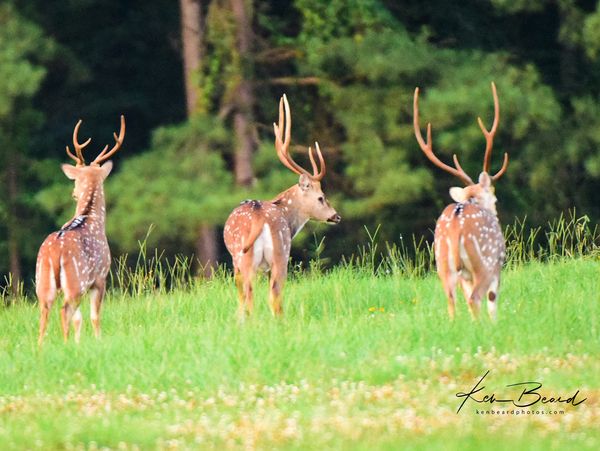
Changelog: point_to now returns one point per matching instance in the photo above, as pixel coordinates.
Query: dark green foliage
(24, 53)
(178, 184)
(349, 69)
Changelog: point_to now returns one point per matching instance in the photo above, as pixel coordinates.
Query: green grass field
(358, 362)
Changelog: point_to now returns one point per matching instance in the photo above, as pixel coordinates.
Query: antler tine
(281, 119)
(318, 174)
(283, 146)
(489, 135)
(456, 163)
(73, 157)
(103, 156)
(78, 157)
(288, 123)
(427, 146)
(502, 170)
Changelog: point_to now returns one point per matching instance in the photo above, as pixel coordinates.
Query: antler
(489, 138)
(104, 155)
(427, 148)
(282, 145)
(78, 157)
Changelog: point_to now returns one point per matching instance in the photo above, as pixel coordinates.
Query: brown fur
(77, 258)
(284, 217)
(258, 235)
(477, 267)
(469, 246)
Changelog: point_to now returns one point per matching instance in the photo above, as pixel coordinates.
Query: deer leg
(276, 282)
(480, 289)
(73, 288)
(76, 320)
(447, 258)
(449, 278)
(478, 274)
(46, 283)
(248, 293)
(467, 288)
(492, 295)
(45, 306)
(239, 284)
(66, 315)
(449, 284)
(473, 304)
(244, 280)
(96, 298)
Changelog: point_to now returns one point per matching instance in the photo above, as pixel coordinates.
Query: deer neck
(92, 205)
(481, 206)
(290, 204)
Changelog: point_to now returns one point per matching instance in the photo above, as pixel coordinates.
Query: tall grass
(568, 236)
(11, 291)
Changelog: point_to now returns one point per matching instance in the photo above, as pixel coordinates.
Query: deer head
(481, 193)
(312, 202)
(87, 177)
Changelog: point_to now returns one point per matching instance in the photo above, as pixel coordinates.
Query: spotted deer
(258, 234)
(469, 245)
(76, 258)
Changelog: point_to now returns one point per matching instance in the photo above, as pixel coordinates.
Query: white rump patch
(263, 249)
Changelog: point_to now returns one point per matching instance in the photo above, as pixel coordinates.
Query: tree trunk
(206, 249)
(191, 36)
(13, 222)
(244, 137)
(244, 100)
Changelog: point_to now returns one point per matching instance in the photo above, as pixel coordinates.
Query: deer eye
(321, 199)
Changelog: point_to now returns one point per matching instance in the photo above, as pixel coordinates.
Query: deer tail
(255, 231)
(47, 280)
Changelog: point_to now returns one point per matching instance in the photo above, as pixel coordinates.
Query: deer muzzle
(335, 219)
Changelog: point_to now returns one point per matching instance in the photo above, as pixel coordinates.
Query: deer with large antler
(77, 257)
(469, 245)
(258, 234)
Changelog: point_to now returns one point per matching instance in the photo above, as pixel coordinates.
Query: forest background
(199, 82)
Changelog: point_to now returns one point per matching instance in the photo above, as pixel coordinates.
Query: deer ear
(304, 183)
(70, 171)
(484, 180)
(458, 194)
(106, 168)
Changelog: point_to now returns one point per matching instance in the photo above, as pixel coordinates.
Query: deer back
(74, 257)
(471, 238)
(77, 255)
(254, 220)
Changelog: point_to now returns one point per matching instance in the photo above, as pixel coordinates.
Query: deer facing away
(258, 234)
(76, 258)
(469, 245)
